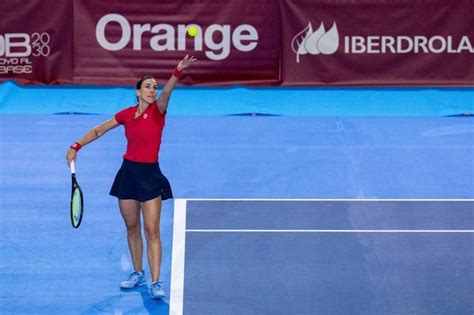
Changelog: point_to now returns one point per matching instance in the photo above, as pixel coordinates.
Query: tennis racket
(77, 200)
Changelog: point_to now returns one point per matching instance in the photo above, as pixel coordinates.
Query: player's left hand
(186, 62)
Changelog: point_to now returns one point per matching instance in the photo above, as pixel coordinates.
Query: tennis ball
(192, 31)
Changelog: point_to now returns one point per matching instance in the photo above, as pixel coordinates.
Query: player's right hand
(71, 155)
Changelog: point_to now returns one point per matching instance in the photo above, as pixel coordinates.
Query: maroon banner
(387, 42)
(35, 41)
(237, 41)
(267, 42)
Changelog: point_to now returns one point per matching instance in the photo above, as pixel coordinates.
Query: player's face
(148, 90)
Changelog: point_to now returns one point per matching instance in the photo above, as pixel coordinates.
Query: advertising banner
(389, 42)
(35, 41)
(267, 42)
(237, 41)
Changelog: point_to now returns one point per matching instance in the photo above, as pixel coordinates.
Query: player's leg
(130, 210)
(151, 221)
(151, 217)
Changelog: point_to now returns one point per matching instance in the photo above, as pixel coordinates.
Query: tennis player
(139, 185)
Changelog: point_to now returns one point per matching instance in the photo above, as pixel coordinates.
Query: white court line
(177, 257)
(324, 231)
(335, 199)
(179, 235)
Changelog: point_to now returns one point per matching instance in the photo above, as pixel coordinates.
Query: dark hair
(139, 82)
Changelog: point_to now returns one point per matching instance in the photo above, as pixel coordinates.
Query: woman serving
(139, 185)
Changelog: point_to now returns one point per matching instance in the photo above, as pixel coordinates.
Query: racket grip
(73, 167)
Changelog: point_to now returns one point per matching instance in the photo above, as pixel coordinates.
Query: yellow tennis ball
(192, 31)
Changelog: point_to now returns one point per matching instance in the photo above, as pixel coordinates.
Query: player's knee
(133, 228)
(152, 233)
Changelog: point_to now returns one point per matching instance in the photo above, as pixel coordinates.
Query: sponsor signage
(167, 37)
(291, 42)
(233, 43)
(37, 49)
(325, 42)
(375, 43)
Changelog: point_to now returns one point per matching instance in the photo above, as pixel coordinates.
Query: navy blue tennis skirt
(140, 181)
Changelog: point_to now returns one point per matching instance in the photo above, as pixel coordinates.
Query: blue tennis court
(237, 157)
(322, 257)
(325, 179)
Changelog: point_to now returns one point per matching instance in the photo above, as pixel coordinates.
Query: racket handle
(73, 167)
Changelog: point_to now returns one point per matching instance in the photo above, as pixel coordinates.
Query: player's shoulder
(128, 109)
(131, 108)
(125, 114)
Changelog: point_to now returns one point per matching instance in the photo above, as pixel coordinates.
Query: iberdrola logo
(315, 42)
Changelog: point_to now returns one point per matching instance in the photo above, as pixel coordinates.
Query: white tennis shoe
(134, 280)
(156, 291)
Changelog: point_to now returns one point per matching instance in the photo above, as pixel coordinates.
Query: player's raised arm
(164, 97)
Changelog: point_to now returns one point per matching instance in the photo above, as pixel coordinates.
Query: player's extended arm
(164, 97)
(92, 135)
